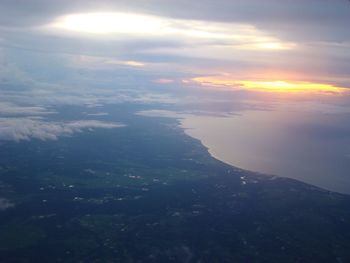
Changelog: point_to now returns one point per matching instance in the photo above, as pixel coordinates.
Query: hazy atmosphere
(102, 100)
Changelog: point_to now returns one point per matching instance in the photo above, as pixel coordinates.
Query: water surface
(308, 145)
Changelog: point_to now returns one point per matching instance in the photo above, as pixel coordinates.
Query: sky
(211, 42)
(225, 55)
(265, 85)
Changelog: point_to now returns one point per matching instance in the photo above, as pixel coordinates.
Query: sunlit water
(311, 146)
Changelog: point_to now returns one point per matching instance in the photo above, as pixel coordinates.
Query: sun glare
(271, 86)
(275, 46)
(241, 36)
(284, 86)
(105, 23)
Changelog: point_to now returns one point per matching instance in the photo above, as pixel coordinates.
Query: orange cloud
(271, 86)
(164, 81)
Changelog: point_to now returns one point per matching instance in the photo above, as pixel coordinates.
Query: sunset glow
(175, 131)
(271, 86)
(269, 46)
(283, 86)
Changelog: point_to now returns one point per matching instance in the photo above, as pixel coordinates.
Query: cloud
(120, 25)
(164, 81)
(17, 129)
(34, 12)
(5, 204)
(11, 109)
(98, 114)
(269, 86)
(246, 39)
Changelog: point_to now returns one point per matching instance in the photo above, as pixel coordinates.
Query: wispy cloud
(5, 204)
(117, 25)
(18, 129)
(11, 109)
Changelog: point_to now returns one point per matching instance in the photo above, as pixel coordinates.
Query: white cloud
(10, 109)
(242, 35)
(18, 129)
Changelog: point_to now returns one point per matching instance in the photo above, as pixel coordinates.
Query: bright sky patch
(271, 86)
(241, 36)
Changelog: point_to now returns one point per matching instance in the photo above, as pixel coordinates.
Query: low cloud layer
(11, 109)
(17, 129)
